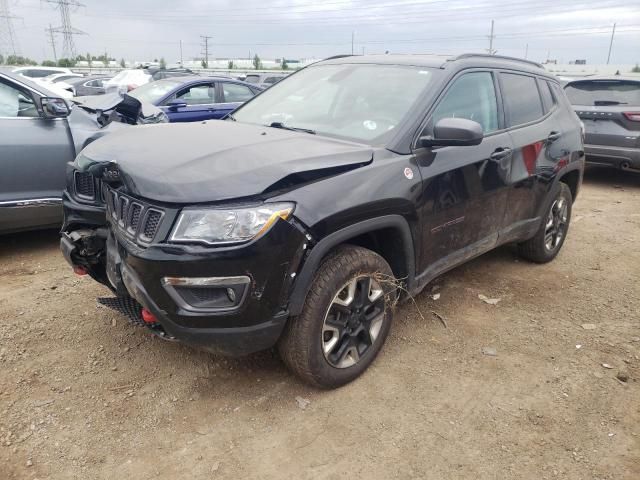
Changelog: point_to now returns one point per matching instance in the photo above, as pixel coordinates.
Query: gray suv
(609, 108)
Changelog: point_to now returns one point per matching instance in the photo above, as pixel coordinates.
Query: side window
(236, 93)
(198, 95)
(547, 97)
(15, 103)
(522, 103)
(472, 96)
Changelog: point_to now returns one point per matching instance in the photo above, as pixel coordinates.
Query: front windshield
(357, 101)
(153, 92)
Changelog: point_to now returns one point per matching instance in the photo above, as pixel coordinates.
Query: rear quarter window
(522, 102)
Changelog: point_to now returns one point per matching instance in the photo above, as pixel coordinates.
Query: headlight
(220, 226)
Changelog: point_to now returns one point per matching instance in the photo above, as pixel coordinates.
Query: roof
(26, 82)
(189, 79)
(442, 61)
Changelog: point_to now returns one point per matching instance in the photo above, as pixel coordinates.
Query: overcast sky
(147, 29)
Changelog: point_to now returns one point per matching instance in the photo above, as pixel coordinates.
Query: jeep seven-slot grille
(136, 219)
(85, 185)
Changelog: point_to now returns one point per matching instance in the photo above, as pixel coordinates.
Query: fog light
(232, 295)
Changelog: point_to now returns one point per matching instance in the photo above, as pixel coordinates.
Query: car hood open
(219, 160)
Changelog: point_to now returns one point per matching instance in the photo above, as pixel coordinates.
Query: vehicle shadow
(25, 243)
(611, 177)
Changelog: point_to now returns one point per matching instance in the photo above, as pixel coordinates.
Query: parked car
(162, 73)
(192, 98)
(264, 80)
(39, 72)
(293, 222)
(93, 85)
(609, 108)
(62, 77)
(39, 134)
(127, 80)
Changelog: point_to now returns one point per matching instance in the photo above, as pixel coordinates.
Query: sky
(140, 30)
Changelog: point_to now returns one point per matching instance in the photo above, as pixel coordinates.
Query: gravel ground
(545, 384)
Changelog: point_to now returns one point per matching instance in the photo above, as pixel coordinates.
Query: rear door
(464, 188)
(539, 132)
(609, 109)
(33, 156)
(232, 96)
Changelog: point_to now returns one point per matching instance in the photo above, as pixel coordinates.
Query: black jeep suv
(298, 220)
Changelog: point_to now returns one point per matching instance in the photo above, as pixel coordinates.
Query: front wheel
(550, 237)
(345, 320)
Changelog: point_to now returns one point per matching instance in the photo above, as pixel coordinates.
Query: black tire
(539, 249)
(306, 337)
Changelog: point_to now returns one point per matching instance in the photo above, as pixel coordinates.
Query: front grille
(85, 185)
(136, 219)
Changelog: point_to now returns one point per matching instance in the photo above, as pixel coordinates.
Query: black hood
(219, 160)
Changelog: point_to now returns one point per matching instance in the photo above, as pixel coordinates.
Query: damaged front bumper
(230, 300)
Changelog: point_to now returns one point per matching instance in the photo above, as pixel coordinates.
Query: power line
(67, 30)
(52, 41)
(613, 32)
(8, 39)
(491, 51)
(205, 45)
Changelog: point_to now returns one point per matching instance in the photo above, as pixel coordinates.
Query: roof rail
(502, 57)
(344, 55)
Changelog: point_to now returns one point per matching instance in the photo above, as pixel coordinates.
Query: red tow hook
(148, 317)
(79, 270)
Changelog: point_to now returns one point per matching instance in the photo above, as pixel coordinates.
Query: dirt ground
(84, 395)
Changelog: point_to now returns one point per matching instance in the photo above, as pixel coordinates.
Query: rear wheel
(345, 320)
(550, 237)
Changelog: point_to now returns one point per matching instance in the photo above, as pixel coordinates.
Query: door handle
(553, 136)
(500, 153)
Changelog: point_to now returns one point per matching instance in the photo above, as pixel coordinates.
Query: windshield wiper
(602, 103)
(293, 129)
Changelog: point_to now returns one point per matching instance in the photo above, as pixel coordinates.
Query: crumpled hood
(218, 160)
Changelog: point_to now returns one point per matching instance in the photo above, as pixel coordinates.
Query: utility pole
(526, 51)
(491, 37)
(613, 32)
(8, 39)
(67, 31)
(52, 42)
(353, 34)
(205, 45)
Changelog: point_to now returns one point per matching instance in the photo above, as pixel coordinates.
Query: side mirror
(454, 132)
(53, 107)
(176, 104)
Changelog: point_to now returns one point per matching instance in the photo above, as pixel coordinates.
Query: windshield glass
(153, 92)
(362, 102)
(602, 92)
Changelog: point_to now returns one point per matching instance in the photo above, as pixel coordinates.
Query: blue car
(193, 98)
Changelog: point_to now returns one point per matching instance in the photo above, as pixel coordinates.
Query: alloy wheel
(353, 321)
(556, 225)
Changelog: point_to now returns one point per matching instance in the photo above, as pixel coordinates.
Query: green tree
(66, 62)
(49, 63)
(20, 60)
(230, 65)
(163, 63)
(257, 63)
(89, 59)
(285, 66)
(122, 63)
(1, 59)
(204, 64)
(635, 69)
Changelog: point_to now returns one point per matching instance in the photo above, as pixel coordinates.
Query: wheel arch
(382, 235)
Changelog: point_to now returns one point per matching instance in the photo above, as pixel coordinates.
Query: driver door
(34, 152)
(464, 188)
